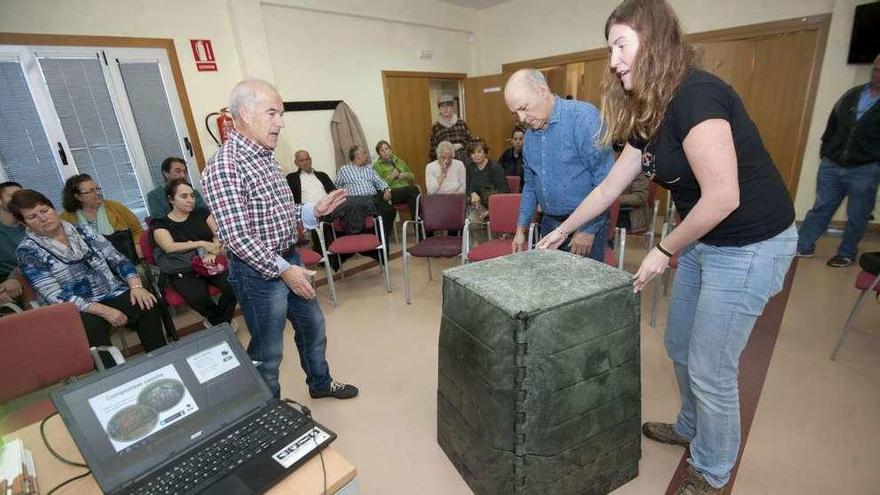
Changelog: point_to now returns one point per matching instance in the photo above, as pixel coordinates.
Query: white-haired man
(562, 162)
(256, 218)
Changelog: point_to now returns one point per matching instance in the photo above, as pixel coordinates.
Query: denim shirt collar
(556, 113)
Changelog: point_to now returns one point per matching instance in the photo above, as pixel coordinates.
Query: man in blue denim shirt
(562, 162)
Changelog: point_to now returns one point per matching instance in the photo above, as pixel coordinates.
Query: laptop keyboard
(225, 453)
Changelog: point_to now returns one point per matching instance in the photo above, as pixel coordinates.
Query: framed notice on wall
(203, 54)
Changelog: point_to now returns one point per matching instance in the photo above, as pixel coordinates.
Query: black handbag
(870, 262)
(174, 263)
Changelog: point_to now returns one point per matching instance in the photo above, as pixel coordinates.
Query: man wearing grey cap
(450, 128)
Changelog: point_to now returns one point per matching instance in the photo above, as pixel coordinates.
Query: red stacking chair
(503, 213)
(356, 243)
(437, 212)
(514, 184)
(42, 347)
(867, 283)
(170, 296)
(648, 232)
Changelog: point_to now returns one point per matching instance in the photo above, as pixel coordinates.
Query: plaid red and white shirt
(252, 204)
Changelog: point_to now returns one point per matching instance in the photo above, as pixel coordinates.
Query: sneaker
(799, 254)
(695, 484)
(840, 262)
(664, 433)
(337, 390)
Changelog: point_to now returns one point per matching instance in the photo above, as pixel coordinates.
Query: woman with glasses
(72, 263)
(84, 204)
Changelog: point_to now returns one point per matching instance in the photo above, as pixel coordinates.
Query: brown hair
(661, 64)
(26, 199)
(478, 142)
(71, 189)
(171, 188)
(380, 143)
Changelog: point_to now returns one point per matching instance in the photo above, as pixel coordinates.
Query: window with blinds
(25, 153)
(145, 89)
(88, 118)
(112, 113)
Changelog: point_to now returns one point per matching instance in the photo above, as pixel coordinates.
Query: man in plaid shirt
(256, 219)
(361, 180)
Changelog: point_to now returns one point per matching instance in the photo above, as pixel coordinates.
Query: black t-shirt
(194, 228)
(765, 206)
(492, 177)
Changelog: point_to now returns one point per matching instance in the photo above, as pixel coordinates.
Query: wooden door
(590, 87)
(488, 115)
(729, 60)
(409, 121)
(556, 79)
(777, 97)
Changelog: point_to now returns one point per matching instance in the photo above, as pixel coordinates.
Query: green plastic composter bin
(538, 389)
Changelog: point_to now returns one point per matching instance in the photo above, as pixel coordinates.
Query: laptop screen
(137, 416)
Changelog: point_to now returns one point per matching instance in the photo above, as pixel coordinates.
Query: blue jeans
(265, 304)
(718, 294)
(859, 185)
(597, 251)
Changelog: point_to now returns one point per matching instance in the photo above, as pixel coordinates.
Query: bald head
(528, 96)
(258, 111)
(303, 161)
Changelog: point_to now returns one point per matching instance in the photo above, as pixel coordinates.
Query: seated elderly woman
(85, 204)
(484, 178)
(445, 175)
(72, 263)
(183, 233)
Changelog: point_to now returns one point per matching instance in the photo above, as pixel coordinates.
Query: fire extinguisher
(224, 124)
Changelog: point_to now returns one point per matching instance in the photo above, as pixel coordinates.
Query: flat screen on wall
(865, 42)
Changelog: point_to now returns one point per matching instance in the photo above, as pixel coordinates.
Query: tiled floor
(816, 429)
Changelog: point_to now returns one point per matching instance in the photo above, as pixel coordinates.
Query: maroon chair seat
(437, 247)
(373, 239)
(356, 243)
(866, 282)
(492, 249)
(436, 212)
(503, 216)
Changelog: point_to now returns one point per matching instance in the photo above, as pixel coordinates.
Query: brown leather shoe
(663, 433)
(695, 484)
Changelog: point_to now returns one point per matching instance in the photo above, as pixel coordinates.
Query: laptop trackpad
(230, 485)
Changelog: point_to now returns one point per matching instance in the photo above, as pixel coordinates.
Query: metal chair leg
(430, 277)
(406, 275)
(848, 325)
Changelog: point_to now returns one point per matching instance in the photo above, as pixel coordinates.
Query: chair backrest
(613, 214)
(123, 241)
(443, 211)
(146, 242)
(503, 212)
(513, 183)
(652, 192)
(42, 347)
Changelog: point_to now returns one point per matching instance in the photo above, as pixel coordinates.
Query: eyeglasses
(92, 191)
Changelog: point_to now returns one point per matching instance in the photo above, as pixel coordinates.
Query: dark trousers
(408, 195)
(146, 323)
(388, 213)
(194, 290)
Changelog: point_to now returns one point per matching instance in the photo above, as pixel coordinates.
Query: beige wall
(339, 56)
(523, 29)
(314, 49)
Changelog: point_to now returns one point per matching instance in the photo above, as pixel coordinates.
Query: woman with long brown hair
(689, 132)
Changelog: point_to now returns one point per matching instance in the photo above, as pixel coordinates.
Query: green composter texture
(538, 388)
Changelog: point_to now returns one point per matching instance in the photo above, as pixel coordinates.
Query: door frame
(386, 74)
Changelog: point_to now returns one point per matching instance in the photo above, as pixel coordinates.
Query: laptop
(192, 417)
